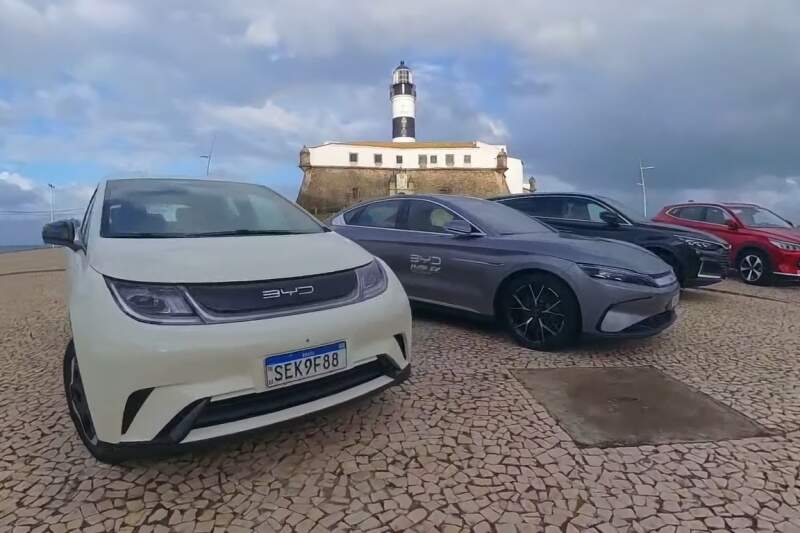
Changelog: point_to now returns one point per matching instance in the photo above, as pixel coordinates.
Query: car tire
(540, 311)
(754, 267)
(81, 415)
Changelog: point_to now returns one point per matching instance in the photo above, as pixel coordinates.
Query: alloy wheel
(751, 268)
(77, 399)
(536, 312)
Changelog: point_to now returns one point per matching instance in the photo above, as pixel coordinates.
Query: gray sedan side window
(377, 215)
(428, 217)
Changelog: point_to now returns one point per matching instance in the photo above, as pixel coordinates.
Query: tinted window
(581, 209)
(715, 215)
(541, 207)
(694, 212)
(376, 215)
(496, 217)
(152, 208)
(428, 216)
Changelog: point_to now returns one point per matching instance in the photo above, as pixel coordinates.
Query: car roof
(541, 194)
(711, 204)
(176, 178)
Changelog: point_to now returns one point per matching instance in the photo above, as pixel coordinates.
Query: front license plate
(305, 364)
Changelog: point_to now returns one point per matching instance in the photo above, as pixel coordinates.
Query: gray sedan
(491, 260)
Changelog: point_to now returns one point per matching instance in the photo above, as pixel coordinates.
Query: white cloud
(17, 180)
(268, 116)
(546, 183)
(496, 130)
(262, 32)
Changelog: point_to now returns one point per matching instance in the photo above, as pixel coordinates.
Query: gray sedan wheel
(540, 311)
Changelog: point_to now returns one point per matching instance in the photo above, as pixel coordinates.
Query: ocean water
(19, 248)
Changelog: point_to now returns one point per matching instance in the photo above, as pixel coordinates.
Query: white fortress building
(338, 174)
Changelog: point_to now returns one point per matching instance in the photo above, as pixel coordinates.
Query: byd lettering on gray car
(545, 287)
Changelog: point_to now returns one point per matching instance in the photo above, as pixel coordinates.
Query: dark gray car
(488, 259)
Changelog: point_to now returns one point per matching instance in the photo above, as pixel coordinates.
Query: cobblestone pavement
(461, 446)
(786, 291)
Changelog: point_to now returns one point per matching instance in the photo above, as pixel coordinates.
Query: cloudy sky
(707, 92)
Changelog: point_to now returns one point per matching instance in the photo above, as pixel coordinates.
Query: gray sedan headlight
(787, 246)
(157, 304)
(700, 243)
(618, 274)
(372, 280)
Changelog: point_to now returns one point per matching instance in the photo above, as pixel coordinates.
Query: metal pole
(52, 201)
(210, 155)
(644, 189)
(642, 168)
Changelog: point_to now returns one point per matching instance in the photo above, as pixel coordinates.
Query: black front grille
(652, 323)
(249, 405)
(274, 295)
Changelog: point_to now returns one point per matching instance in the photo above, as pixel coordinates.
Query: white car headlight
(157, 304)
(786, 246)
(372, 280)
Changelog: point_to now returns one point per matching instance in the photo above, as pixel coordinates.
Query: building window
(434, 160)
(378, 160)
(423, 160)
(355, 193)
(353, 157)
(402, 76)
(399, 159)
(449, 160)
(467, 159)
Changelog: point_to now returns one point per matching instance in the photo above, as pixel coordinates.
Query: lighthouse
(403, 96)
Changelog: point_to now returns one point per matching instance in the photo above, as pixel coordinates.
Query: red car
(764, 246)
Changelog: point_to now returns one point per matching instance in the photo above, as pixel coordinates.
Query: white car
(203, 308)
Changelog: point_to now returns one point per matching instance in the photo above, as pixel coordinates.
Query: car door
(691, 216)
(375, 226)
(441, 267)
(715, 221)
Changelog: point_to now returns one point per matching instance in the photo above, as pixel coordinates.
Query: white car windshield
(179, 208)
(758, 217)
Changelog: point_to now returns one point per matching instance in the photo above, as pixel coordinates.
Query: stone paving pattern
(461, 446)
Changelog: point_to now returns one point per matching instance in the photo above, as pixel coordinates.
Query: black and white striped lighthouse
(403, 95)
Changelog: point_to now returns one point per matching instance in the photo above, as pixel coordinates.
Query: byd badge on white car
(204, 308)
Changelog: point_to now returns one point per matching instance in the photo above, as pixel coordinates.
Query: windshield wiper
(247, 232)
(147, 235)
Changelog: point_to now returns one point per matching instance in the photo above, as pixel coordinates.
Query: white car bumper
(209, 380)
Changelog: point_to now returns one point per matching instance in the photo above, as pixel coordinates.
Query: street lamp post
(52, 204)
(52, 201)
(209, 155)
(642, 183)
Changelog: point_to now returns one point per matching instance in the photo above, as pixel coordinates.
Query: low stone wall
(328, 190)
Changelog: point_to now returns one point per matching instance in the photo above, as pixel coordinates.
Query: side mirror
(61, 233)
(612, 219)
(458, 227)
(732, 224)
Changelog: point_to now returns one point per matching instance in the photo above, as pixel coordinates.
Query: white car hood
(225, 259)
